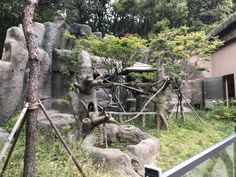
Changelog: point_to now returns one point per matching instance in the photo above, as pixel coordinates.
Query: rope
(34, 105)
(162, 87)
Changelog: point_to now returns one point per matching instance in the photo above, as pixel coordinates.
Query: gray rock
(67, 43)
(146, 152)
(130, 133)
(98, 34)
(12, 69)
(110, 159)
(60, 120)
(102, 97)
(61, 57)
(130, 162)
(39, 29)
(60, 81)
(53, 36)
(80, 29)
(45, 76)
(196, 89)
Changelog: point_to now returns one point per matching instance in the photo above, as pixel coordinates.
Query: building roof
(139, 67)
(222, 26)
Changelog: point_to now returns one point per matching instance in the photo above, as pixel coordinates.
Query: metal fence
(195, 161)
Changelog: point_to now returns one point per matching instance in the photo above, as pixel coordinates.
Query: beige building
(222, 65)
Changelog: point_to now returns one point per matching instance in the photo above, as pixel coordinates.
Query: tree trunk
(84, 103)
(160, 104)
(181, 106)
(32, 92)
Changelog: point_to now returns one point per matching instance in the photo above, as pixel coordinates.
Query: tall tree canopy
(119, 17)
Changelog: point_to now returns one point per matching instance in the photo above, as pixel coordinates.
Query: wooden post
(143, 121)
(226, 92)
(121, 120)
(16, 137)
(62, 140)
(32, 92)
(14, 130)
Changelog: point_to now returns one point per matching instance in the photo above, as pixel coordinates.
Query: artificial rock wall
(13, 64)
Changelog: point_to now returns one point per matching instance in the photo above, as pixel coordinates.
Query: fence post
(152, 171)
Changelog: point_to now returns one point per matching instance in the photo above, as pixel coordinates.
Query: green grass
(178, 144)
(188, 138)
(52, 159)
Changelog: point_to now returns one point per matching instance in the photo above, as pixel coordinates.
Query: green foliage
(176, 146)
(145, 76)
(70, 62)
(205, 14)
(117, 52)
(10, 124)
(173, 48)
(65, 101)
(222, 112)
(69, 35)
(52, 159)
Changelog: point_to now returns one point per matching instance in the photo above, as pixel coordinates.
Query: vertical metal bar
(10, 137)
(234, 156)
(152, 171)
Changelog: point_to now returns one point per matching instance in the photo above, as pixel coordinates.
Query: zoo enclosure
(220, 159)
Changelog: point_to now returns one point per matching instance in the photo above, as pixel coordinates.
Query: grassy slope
(189, 138)
(181, 142)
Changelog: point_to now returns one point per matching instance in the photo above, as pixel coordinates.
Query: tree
(32, 92)
(117, 53)
(171, 50)
(206, 14)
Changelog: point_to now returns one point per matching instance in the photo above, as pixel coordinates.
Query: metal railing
(193, 162)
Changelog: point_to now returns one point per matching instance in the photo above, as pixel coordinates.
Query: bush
(221, 111)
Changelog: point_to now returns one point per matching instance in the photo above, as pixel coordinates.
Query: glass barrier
(218, 160)
(221, 164)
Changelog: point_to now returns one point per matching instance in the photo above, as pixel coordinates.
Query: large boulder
(60, 120)
(80, 30)
(12, 69)
(197, 94)
(144, 153)
(110, 159)
(61, 68)
(53, 36)
(143, 150)
(192, 89)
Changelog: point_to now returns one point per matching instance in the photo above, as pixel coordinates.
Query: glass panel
(220, 165)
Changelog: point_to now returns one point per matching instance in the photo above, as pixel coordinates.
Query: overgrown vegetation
(181, 142)
(117, 53)
(222, 112)
(172, 49)
(52, 159)
(188, 138)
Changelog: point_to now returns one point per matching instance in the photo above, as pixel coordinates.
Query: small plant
(221, 111)
(145, 76)
(69, 35)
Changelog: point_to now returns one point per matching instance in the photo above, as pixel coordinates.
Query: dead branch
(153, 96)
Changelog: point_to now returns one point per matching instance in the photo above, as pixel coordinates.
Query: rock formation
(143, 149)
(13, 65)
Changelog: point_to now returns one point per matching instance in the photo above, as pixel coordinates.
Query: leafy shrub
(221, 111)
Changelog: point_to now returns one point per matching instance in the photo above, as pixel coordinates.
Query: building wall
(223, 62)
